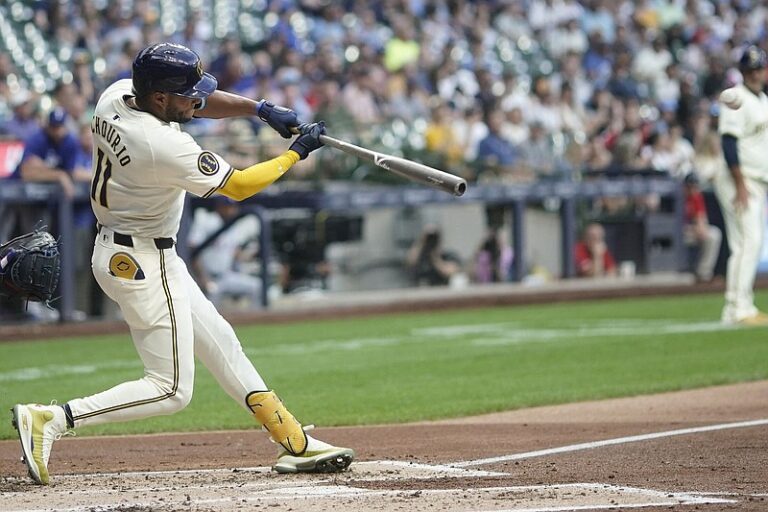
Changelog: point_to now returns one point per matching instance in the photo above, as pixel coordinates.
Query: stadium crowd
(500, 90)
(494, 90)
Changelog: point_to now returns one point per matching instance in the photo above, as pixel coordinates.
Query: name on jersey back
(109, 135)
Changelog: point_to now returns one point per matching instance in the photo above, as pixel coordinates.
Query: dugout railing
(356, 198)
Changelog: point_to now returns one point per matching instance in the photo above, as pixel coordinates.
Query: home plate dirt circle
(702, 450)
(256, 488)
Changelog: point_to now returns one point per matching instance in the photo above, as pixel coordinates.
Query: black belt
(127, 240)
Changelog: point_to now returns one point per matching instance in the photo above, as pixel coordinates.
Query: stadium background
(618, 95)
(571, 91)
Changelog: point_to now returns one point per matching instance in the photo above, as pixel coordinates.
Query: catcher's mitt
(30, 266)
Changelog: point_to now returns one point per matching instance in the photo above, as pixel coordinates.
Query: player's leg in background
(157, 309)
(745, 234)
(708, 253)
(725, 192)
(753, 219)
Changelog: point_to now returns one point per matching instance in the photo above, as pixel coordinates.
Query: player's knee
(177, 395)
(183, 397)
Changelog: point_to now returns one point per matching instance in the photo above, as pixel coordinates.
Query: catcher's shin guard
(284, 429)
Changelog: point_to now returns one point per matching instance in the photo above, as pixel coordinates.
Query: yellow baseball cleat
(319, 457)
(38, 426)
(757, 320)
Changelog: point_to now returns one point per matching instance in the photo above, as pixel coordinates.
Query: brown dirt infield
(715, 470)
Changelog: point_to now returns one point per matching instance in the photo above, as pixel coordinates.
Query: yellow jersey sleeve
(252, 180)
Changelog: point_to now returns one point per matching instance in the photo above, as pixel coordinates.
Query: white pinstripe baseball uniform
(745, 230)
(143, 168)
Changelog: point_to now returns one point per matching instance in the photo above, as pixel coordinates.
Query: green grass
(399, 368)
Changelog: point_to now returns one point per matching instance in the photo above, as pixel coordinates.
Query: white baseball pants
(171, 321)
(745, 231)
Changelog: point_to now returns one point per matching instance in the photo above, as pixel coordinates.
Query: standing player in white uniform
(143, 166)
(743, 128)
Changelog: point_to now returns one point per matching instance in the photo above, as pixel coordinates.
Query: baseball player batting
(143, 166)
(743, 127)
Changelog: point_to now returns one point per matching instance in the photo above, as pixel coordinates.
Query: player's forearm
(598, 268)
(38, 171)
(222, 104)
(252, 180)
(82, 174)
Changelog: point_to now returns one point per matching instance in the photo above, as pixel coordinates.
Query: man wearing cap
(144, 164)
(50, 154)
(221, 241)
(743, 128)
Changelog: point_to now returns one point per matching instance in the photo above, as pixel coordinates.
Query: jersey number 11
(102, 164)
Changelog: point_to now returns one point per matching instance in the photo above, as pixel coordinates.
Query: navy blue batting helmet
(173, 68)
(753, 58)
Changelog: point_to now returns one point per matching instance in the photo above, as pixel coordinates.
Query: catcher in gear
(29, 267)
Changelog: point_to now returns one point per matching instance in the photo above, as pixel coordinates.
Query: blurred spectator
(698, 232)
(428, 263)
(568, 37)
(597, 60)
(197, 31)
(440, 136)
(23, 123)
(591, 255)
(597, 18)
(667, 86)
(50, 154)
(497, 156)
(402, 49)
(470, 130)
(68, 97)
(514, 128)
(542, 108)
(84, 160)
(652, 60)
(515, 94)
(708, 157)
(493, 260)
(331, 108)
(221, 242)
(359, 95)
(623, 83)
(571, 113)
(537, 154)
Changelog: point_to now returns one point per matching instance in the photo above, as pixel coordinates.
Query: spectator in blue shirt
(496, 154)
(50, 154)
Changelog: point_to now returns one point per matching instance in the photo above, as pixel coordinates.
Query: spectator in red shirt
(698, 231)
(592, 257)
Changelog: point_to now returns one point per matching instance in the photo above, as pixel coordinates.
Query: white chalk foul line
(609, 442)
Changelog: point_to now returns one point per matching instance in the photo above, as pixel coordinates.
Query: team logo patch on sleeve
(207, 163)
(123, 265)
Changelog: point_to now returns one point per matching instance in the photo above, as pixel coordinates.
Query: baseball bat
(407, 169)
